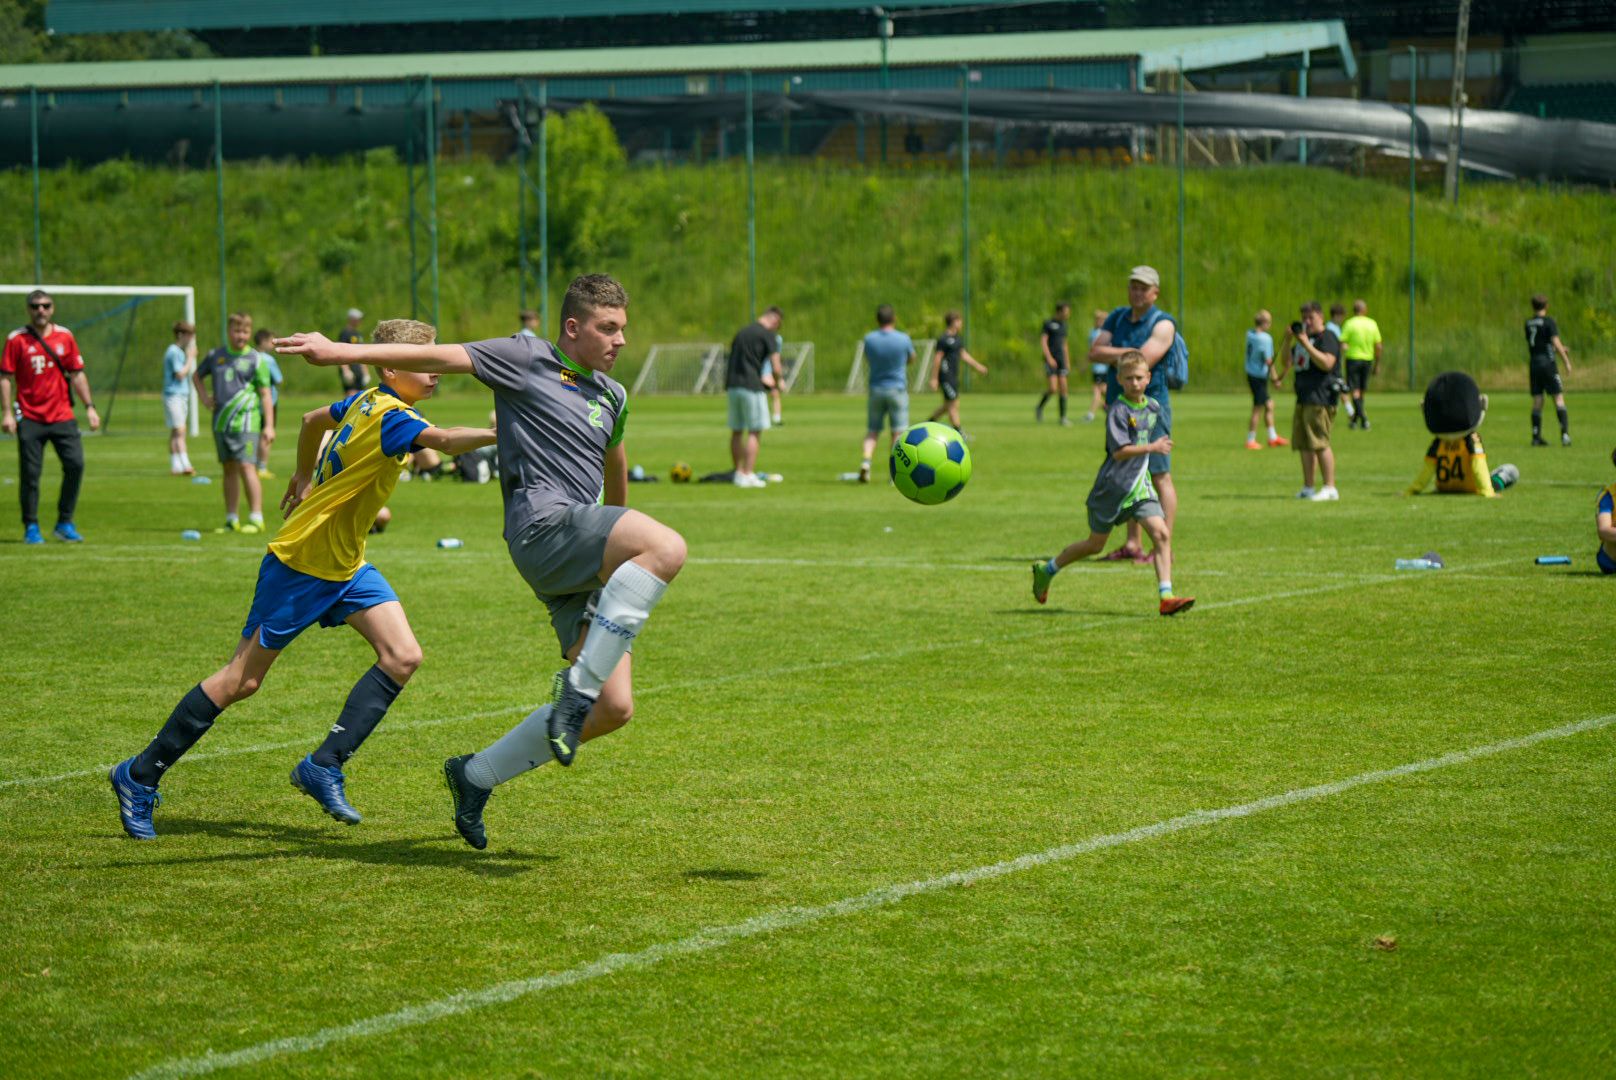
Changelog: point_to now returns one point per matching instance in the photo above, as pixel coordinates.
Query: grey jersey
(1120, 484)
(556, 421)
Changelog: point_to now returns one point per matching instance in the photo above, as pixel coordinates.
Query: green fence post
(218, 194)
(965, 195)
(33, 139)
(523, 267)
(432, 188)
(544, 207)
(1301, 144)
(1411, 263)
(751, 210)
(1179, 311)
(411, 136)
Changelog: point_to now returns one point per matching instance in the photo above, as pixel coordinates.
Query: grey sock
(526, 746)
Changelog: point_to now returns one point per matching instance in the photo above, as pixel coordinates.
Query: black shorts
(1358, 374)
(1055, 369)
(1259, 389)
(1545, 378)
(950, 389)
(1099, 378)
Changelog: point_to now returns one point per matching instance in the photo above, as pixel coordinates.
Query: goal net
(699, 367)
(858, 377)
(122, 332)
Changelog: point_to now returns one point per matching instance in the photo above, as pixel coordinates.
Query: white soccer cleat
(1325, 494)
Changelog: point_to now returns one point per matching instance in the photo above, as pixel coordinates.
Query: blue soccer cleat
(67, 533)
(324, 784)
(30, 534)
(136, 802)
(569, 709)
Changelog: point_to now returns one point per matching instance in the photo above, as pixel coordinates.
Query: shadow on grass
(719, 873)
(1066, 613)
(439, 851)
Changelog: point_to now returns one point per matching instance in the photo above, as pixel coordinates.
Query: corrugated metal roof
(102, 16)
(1158, 48)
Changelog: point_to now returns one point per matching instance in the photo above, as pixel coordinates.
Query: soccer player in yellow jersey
(315, 572)
(1605, 523)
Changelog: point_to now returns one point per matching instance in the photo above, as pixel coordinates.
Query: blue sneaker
(324, 784)
(30, 534)
(66, 532)
(136, 802)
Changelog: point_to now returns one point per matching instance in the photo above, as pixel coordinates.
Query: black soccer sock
(1063, 406)
(367, 703)
(1043, 401)
(1565, 419)
(1537, 423)
(1357, 403)
(189, 721)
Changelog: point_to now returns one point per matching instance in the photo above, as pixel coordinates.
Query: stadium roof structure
(1152, 50)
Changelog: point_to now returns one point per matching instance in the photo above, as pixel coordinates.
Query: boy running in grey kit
(599, 567)
(1134, 429)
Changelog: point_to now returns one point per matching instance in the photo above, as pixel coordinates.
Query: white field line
(780, 919)
(776, 671)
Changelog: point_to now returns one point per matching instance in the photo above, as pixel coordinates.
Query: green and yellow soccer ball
(930, 463)
(680, 473)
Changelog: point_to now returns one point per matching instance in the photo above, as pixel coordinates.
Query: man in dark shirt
(1052, 344)
(950, 351)
(355, 377)
(754, 349)
(1320, 355)
(1542, 342)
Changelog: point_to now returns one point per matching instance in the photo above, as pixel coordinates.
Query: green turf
(844, 692)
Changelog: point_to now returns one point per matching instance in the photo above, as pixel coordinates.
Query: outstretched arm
(455, 440)
(321, 351)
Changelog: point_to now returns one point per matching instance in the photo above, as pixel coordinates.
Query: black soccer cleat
(569, 708)
(468, 800)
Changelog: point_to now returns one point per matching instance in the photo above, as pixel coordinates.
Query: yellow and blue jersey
(358, 469)
(1459, 467)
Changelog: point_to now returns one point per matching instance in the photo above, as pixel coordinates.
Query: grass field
(1337, 820)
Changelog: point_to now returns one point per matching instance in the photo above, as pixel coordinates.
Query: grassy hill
(307, 240)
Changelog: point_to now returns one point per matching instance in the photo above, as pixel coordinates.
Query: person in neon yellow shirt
(1361, 347)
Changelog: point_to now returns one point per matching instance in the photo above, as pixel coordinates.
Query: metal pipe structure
(218, 192)
(544, 207)
(1307, 64)
(751, 208)
(1179, 311)
(965, 194)
(33, 140)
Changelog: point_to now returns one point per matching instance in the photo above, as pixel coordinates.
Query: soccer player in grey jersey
(599, 567)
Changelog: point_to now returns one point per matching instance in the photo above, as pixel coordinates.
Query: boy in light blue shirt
(179, 360)
(888, 352)
(1259, 373)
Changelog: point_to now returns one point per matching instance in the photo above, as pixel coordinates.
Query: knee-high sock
(1537, 423)
(1063, 406)
(1565, 419)
(625, 603)
(189, 721)
(1043, 401)
(526, 746)
(367, 703)
(1358, 401)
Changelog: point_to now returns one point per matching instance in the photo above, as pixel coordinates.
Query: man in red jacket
(43, 361)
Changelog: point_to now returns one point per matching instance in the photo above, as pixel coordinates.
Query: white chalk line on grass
(789, 918)
(773, 672)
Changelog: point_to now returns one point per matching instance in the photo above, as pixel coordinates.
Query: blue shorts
(1607, 565)
(287, 602)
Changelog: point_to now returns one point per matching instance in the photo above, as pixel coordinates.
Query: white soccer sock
(625, 603)
(526, 746)
(174, 463)
(1251, 436)
(256, 518)
(1272, 434)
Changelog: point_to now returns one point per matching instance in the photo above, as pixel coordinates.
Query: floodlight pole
(965, 193)
(1412, 76)
(751, 209)
(1456, 104)
(1180, 309)
(33, 139)
(218, 193)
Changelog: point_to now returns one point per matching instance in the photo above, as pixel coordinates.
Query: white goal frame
(858, 379)
(796, 363)
(185, 292)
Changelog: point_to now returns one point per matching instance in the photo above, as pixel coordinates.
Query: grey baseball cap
(355, 313)
(1145, 274)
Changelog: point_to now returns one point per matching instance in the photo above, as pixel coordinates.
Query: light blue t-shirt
(275, 377)
(887, 353)
(1259, 353)
(1334, 329)
(1098, 369)
(174, 383)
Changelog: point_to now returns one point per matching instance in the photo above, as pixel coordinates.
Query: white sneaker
(750, 480)
(1325, 494)
(1305, 493)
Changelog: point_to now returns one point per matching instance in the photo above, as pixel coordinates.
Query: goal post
(698, 367)
(122, 331)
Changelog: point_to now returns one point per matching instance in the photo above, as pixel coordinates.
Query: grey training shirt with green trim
(1120, 484)
(555, 423)
(237, 378)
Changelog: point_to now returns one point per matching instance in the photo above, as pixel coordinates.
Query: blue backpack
(1176, 364)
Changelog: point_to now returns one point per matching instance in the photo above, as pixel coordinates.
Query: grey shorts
(236, 445)
(888, 406)
(748, 409)
(559, 556)
(1139, 511)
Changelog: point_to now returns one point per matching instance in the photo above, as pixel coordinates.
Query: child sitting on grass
(1134, 429)
(1606, 556)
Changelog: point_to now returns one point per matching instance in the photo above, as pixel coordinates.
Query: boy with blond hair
(1134, 429)
(233, 381)
(315, 572)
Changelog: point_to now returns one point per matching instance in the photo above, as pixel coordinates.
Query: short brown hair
(950, 317)
(404, 332)
(1539, 302)
(1131, 359)
(183, 327)
(239, 318)
(263, 335)
(591, 292)
(885, 316)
